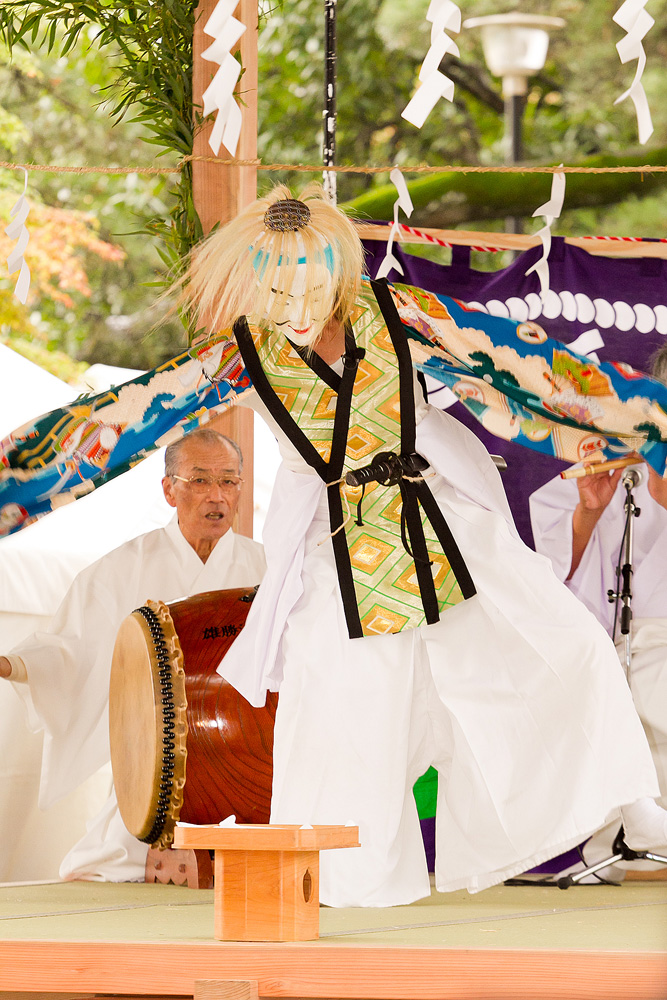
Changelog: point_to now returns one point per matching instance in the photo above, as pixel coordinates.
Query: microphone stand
(630, 480)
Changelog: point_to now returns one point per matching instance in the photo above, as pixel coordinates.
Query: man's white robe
(68, 671)
(551, 511)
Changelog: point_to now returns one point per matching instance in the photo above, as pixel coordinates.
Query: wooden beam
(221, 192)
(395, 971)
(230, 989)
(608, 247)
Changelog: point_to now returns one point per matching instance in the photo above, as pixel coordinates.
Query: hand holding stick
(596, 485)
(596, 467)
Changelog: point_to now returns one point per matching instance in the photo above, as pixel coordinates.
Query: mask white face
(301, 313)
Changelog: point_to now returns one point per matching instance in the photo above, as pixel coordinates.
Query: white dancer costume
(516, 696)
(513, 691)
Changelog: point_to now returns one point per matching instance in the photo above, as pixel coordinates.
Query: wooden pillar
(221, 192)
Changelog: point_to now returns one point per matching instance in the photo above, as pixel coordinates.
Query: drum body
(185, 745)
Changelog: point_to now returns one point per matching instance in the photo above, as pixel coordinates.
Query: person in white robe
(554, 511)
(579, 525)
(515, 694)
(63, 673)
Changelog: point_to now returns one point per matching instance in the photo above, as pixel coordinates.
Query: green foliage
(17, 332)
(569, 115)
(93, 91)
(374, 82)
(150, 45)
(451, 199)
(148, 41)
(12, 130)
(79, 67)
(68, 124)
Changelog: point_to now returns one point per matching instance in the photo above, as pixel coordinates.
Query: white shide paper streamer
(551, 211)
(403, 201)
(632, 17)
(16, 230)
(444, 16)
(219, 95)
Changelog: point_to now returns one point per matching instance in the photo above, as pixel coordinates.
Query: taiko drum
(185, 745)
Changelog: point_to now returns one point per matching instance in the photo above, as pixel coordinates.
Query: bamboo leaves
(151, 42)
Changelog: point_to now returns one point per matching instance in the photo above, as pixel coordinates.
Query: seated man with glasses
(63, 673)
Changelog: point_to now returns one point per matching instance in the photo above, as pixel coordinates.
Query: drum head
(168, 704)
(141, 726)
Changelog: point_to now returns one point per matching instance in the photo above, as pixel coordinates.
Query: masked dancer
(402, 619)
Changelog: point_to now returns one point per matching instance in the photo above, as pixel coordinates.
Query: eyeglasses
(202, 484)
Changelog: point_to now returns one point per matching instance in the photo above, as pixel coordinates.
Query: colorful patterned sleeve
(69, 452)
(526, 387)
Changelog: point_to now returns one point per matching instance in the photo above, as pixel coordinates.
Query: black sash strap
(330, 472)
(266, 393)
(353, 355)
(412, 493)
(315, 363)
(415, 493)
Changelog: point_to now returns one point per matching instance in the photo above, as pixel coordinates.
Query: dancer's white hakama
(516, 696)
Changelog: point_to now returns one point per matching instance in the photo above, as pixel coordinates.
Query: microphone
(632, 478)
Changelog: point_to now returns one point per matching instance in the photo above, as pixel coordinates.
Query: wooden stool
(267, 877)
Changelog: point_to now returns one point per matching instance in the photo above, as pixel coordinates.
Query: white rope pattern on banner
(632, 17)
(403, 201)
(219, 95)
(16, 230)
(551, 211)
(444, 16)
(587, 343)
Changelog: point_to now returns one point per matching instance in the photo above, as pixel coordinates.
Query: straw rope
(492, 242)
(348, 168)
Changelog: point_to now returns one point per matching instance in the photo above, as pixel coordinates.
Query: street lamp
(515, 48)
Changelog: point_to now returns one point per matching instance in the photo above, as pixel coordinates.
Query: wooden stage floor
(507, 943)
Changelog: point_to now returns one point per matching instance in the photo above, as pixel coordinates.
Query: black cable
(617, 599)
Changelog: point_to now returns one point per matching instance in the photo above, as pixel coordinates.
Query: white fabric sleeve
(551, 511)
(19, 674)
(462, 460)
(66, 693)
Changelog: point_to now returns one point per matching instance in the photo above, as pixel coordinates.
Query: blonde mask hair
(249, 268)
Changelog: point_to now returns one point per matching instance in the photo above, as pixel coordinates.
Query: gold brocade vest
(398, 564)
